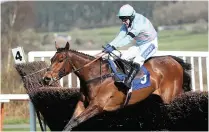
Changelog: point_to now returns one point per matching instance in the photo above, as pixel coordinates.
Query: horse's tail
(186, 77)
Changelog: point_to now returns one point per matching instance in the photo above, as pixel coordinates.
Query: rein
(35, 72)
(75, 70)
(88, 64)
(70, 64)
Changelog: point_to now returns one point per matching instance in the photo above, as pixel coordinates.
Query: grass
(16, 112)
(12, 120)
(173, 40)
(21, 129)
(16, 130)
(183, 41)
(21, 121)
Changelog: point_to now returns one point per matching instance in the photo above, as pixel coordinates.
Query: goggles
(123, 18)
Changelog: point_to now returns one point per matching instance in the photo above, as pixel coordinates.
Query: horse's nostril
(47, 79)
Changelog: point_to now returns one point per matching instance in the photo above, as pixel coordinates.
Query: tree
(16, 16)
(180, 12)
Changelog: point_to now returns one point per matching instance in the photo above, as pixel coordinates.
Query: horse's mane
(83, 54)
(92, 57)
(76, 52)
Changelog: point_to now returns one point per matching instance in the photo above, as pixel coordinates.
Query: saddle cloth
(139, 82)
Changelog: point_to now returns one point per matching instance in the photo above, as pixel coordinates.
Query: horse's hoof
(69, 128)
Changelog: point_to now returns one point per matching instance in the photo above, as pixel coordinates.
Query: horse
(168, 77)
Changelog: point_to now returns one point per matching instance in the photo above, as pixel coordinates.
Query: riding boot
(133, 72)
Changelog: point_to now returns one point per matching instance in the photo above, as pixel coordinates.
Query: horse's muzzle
(47, 80)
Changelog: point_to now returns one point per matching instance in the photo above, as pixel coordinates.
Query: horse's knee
(111, 108)
(78, 109)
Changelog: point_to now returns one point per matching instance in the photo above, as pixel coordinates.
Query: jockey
(134, 27)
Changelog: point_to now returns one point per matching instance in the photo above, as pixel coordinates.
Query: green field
(183, 41)
(22, 129)
(174, 40)
(19, 121)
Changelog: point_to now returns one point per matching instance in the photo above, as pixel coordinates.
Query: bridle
(76, 70)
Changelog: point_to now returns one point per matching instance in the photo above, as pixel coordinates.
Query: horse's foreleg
(78, 109)
(86, 114)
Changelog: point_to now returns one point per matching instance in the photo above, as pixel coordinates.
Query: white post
(193, 73)
(78, 82)
(32, 117)
(184, 58)
(31, 107)
(200, 73)
(42, 58)
(61, 82)
(207, 67)
(69, 80)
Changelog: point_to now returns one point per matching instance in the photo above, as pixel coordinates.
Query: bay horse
(168, 76)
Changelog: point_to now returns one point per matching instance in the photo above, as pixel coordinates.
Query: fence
(199, 73)
(6, 98)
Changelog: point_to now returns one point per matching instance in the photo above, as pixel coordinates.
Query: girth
(101, 77)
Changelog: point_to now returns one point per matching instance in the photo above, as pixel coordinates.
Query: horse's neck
(79, 61)
(89, 72)
(94, 70)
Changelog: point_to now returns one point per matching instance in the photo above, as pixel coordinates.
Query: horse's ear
(67, 46)
(56, 45)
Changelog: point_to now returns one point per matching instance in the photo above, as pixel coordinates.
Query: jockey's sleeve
(124, 41)
(121, 35)
(130, 35)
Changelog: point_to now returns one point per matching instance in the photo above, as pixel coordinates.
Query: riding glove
(109, 48)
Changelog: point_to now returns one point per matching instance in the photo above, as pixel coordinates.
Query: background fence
(198, 60)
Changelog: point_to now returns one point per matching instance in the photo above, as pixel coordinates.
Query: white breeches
(139, 54)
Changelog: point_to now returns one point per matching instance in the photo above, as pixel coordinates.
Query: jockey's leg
(146, 51)
(131, 53)
(128, 55)
(138, 54)
(133, 72)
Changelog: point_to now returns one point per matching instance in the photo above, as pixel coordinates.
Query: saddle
(120, 68)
